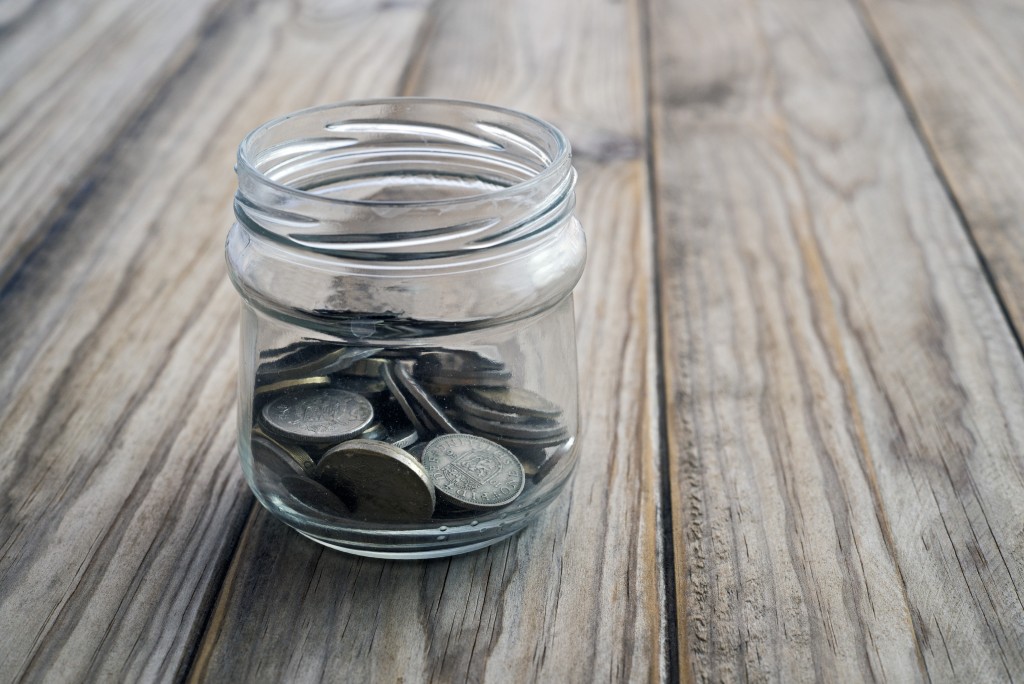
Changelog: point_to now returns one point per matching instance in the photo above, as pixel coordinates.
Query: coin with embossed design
(318, 416)
(473, 472)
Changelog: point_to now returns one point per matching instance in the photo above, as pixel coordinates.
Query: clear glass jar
(408, 381)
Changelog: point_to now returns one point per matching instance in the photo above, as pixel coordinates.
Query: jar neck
(404, 179)
(348, 214)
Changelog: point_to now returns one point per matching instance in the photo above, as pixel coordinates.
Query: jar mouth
(404, 178)
(399, 151)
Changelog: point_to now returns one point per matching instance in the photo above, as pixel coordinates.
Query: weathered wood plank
(967, 95)
(121, 499)
(72, 76)
(846, 401)
(577, 597)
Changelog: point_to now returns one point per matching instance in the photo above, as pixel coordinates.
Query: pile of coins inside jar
(401, 436)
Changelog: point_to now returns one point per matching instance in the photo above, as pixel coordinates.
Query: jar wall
(514, 385)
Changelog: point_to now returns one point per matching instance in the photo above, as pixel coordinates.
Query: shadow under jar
(408, 385)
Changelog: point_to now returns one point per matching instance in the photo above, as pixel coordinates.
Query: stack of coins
(400, 436)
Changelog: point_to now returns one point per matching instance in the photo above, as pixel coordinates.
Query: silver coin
(470, 407)
(434, 412)
(403, 403)
(282, 459)
(522, 443)
(378, 481)
(455, 362)
(515, 400)
(403, 439)
(318, 416)
(375, 431)
(447, 382)
(530, 430)
(473, 472)
(322, 364)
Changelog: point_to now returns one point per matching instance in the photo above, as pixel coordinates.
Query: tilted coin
(371, 388)
(530, 430)
(403, 438)
(297, 383)
(321, 415)
(378, 481)
(429, 407)
(515, 400)
(473, 472)
(407, 409)
(447, 382)
(375, 431)
(468, 406)
(321, 364)
(367, 368)
(283, 459)
(521, 443)
(306, 493)
(456, 362)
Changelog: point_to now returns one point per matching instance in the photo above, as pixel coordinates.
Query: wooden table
(800, 337)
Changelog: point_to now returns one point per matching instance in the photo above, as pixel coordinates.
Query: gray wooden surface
(803, 391)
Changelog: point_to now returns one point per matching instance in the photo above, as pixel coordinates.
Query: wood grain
(845, 399)
(73, 75)
(967, 95)
(121, 499)
(576, 597)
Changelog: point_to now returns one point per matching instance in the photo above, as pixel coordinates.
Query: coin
(396, 392)
(468, 406)
(320, 415)
(403, 438)
(305, 493)
(375, 431)
(515, 400)
(297, 383)
(299, 364)
(426, 404)
(473, 472)
(282, 459)
(529, 430)
(521, 443)
(367, 368)
(371, 388)
(378, 481)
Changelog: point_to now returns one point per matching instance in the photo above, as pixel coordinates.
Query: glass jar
(408, 381)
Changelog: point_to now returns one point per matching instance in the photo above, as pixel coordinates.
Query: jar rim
(555, 165)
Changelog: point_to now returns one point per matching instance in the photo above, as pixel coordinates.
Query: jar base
(410, 553)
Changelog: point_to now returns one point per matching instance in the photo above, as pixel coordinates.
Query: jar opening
(404, 151)
(403, 178)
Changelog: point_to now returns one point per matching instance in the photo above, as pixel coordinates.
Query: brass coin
(473, 472)
(318, 416)
(378, 481)
(283, 459)
(297, 383)
(371, 388)
(429, 407)
(515, 400)
(305, 493)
